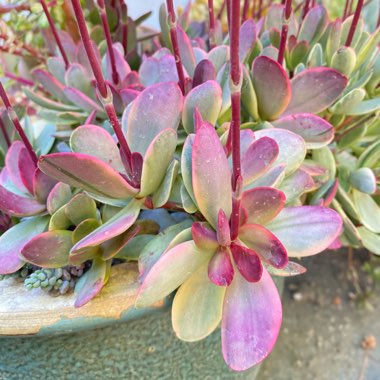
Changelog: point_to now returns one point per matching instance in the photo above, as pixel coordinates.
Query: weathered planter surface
(45, 337)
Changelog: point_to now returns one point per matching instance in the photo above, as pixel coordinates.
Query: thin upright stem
(12, 115)
(107, 33)
(24, 81)
(211, 23)
(221, 10)
(284, 31)
(305, 8)
(253, 8)
(55, 33)
(174, 40)
(345, 9)
(124, 23)
(235, 84)
(104, 92)
(245, 11)
(354, 23)
(260, 9)
(5, 133)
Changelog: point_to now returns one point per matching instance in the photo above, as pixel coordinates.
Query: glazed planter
(44, 337)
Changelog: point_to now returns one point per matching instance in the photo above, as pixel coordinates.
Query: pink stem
(235, 105)
(55, 33)
(221, 10)
(245, 11)
(91, 117)
(124, 21)
(212, 23)
(106, 28)
(228, 2)
(173, 37)
(253, 8)
(5, 133)
(12, 115)
(354, 23)
(345, 9)
(100, 82)
(260, 9)
(284, 31)
(16, 78)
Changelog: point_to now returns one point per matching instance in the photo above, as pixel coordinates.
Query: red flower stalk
(235, 84)
(173, 37)
(211, 22)
(284, 31)
(305, 8)
(245, 11)
(55, 33)
(354, 23)
(24, 81)
(104, 92)
(5, 133)
(16, 122)
(107, 33)
(221, 10)
(260, 9)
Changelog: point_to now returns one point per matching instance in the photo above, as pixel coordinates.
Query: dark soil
(331, 326)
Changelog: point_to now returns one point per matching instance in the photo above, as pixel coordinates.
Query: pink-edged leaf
(96, 141)
(265, 244)
(313, 168)
(82, 100)
(248, 262)
(203, 72)
(157, 70)
(11, 163)
(247, 39)
(220, 268)
(296, 184)
(273, 177)
(306, 230)
(186, 51)
(272, 87)
(223, 232)
(128, 95)
(12, 241)
(313, 25)
(163, 99)
(262, 204)
(315, 89)
(16, 205)
(50, 84)
(247, 137)
(87, 173)
(258, 158)
(170, 271)
(204, 236)
(252, 316)
(48, 249)
(316, 131)
(42, 185)
(122, 67)
(92, 282)
(207, 98)
(211, 175)
(115, 226)
(26, 169)
(292, 269)
(58, 197)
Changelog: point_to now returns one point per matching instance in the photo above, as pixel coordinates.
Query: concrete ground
(331, 322)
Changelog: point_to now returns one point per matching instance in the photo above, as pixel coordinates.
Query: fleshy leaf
(92, 282)
(157, 160)
(158, 70)
(13, 240)
(163, 99)
(87, 173)
(26, 169)
(197, 307)
(272, 87)
(204, 236)
(186, 51)
(370, 240)
(262, 204)
(170, 271)
(220, 268)
(313, 25)
(79, 208)
(258, 158)
(265, 244)
(314, 90)
(248, 263)
(204, 72)
(187, 165)
(292, 149)
(252, 316)
(96, 141)
(12, 164)
(273, 177)
(42, 185)
(368, 210)
(364, 180)
(82, 100)
(247, 39)
(59, 196)
(115, 226)
(211, 175)
(306, 230)
(207, 98)
(49, 249)
(316, 131)
(223, 232)
(292, 269)
(296, 185)
(162, 194)
(50, 84)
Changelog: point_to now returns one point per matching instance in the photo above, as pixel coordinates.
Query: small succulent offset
(220, 169)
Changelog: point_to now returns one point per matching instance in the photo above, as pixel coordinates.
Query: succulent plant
(209, 158)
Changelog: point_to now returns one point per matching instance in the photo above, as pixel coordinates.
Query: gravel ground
(331, 323)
